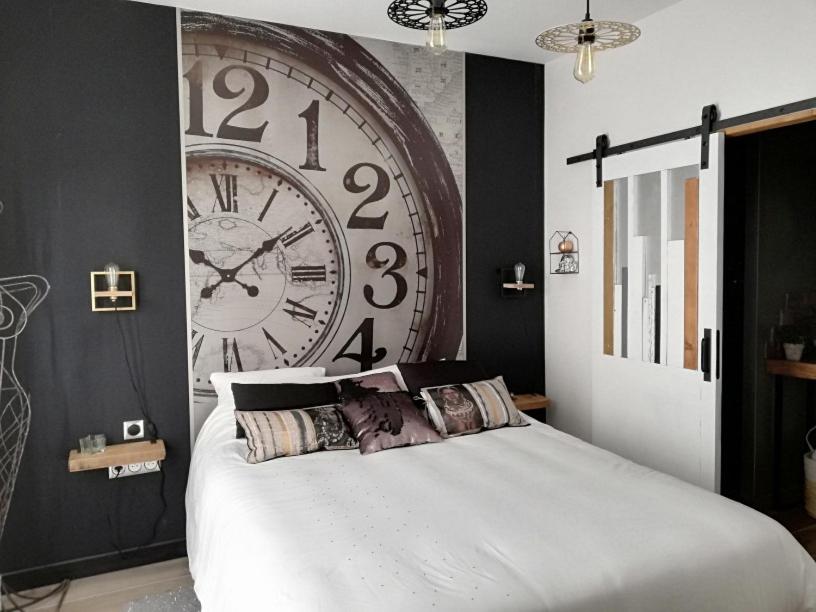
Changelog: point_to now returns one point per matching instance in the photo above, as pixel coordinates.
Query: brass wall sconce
(113, 290)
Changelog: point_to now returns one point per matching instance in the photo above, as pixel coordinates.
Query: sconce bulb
(112, 275)
(584, 63)
(519, 269)
(436, 42)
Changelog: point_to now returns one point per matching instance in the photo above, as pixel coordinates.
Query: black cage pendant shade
(436, 16)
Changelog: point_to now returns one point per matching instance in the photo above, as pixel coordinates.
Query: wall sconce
(113, 290)
(513, 284)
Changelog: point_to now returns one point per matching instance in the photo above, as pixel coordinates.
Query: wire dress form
(19, 296)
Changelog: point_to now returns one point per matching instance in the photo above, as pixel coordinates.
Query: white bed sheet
(513, 519)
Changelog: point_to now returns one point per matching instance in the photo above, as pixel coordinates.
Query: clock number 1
(312, 117)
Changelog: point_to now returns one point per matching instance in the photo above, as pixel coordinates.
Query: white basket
(810, 477)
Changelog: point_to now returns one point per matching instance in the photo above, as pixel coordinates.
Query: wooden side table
(527, 402)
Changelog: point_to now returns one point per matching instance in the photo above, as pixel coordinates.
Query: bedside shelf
(531, 401)
(117, 454)
(792, 369)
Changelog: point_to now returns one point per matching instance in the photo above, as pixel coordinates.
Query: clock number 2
(400, 259)
(381, 190)
(367, 356)
(258, 95)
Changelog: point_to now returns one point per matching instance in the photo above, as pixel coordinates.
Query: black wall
(505, 216)
(90, 172)
(770, 250)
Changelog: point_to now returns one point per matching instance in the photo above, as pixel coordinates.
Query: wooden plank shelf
(531, 401)
(791, 369)
(117, 454)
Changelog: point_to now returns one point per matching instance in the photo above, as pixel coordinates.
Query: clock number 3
(400, 259)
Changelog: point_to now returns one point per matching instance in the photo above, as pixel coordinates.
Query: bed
(524, 518)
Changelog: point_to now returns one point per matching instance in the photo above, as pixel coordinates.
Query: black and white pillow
(287, 433)
(461, 409)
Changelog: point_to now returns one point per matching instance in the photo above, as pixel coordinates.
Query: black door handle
(705, 355)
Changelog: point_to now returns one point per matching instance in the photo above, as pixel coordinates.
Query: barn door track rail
(787, 114)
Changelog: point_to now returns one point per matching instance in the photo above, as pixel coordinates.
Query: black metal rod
(691, 132)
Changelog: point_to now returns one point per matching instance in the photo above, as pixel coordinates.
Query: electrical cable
(153, 432)
(61, 589)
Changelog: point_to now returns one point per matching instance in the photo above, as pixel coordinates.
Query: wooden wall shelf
(792, 369)
(531, 401)
(117, 454)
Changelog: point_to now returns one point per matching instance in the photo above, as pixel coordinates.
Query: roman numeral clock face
(309, 242)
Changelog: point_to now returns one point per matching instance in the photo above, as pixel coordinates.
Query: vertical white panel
(675, 302)
(664, 269)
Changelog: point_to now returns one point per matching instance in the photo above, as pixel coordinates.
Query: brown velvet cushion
(382, 382)
(385, 420)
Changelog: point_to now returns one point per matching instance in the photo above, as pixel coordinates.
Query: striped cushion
(457, 410)
(286, 433)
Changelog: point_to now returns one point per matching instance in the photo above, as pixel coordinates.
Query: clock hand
(267, 247)
(198, 257)
(207, 292)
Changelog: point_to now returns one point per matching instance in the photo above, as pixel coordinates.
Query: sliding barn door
(658, 309)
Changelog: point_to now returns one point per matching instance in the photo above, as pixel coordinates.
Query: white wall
(744, 56)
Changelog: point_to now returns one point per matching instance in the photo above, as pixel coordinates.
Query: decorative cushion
(222, 381)
(457, 410)
(281, 396)
(286, 433)
(418, 376)
(385, 420)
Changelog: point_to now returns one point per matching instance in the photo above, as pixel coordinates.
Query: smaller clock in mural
(266, 264)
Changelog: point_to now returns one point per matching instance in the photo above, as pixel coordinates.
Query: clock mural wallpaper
(324, 210)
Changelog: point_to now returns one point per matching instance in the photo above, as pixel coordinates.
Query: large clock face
(310, 241)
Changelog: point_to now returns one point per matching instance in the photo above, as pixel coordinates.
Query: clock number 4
(367, 356)
(300, 313)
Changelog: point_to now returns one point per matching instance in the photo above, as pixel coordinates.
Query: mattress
(518, 519)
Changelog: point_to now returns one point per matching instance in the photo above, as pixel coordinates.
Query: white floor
(110, 592)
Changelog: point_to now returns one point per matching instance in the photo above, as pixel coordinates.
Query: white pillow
(222, 381)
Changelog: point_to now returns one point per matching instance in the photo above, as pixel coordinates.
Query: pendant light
(437, 17)
(585, 39)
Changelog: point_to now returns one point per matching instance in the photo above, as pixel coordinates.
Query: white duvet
(513, 519)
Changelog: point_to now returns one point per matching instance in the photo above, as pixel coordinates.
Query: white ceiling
(508, 30)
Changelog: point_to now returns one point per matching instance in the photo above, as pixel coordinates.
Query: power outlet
(134, 430)
(133, 469)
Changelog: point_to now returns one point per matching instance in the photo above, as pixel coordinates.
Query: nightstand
(535, 403)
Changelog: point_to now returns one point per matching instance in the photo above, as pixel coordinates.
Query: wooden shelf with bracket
(117, 454)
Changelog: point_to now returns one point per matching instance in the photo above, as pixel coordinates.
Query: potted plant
(793, 342)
